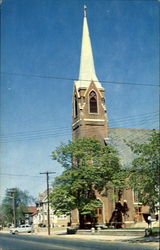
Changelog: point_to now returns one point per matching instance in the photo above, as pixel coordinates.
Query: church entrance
(99, 215)
(88, 221)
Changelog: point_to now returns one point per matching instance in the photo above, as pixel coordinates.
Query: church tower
(89, 111)
(89, 120)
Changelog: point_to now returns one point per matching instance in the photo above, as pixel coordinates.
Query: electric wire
(59, 135)
(119, 151)
(21, 175)
(75, 79)
(51, 136)
(56, 130)
(124, 119)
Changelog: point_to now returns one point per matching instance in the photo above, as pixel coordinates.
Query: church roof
(87, 70)
(118, 138)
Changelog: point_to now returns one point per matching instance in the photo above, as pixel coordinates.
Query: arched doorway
(99, 213)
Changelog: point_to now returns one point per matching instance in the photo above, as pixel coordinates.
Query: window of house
(93, 102)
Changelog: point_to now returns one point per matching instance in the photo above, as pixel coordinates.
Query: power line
(35, 133)
(137, 115)
(45, 132)
(62, 131)
(21, 175)
(75, 79)
(60, 134)
(134, 119)
(50, 136)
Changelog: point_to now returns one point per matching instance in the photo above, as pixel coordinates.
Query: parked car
(42, 225)
(21, 229)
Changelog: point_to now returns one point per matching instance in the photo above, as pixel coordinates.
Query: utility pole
(12, 192)
(14, 209)
(48, 214)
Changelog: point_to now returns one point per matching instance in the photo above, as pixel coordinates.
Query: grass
(134, 228)
(156, 230)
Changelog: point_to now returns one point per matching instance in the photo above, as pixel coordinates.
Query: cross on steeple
(85, 8)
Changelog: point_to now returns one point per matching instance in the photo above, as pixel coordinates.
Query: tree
(144, 173)
(88, 166)
(2, 221)
(18, 198)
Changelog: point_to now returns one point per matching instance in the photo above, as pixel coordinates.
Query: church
(89, 119)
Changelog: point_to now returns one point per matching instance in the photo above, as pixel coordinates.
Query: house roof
(30, 210)
(42, 197)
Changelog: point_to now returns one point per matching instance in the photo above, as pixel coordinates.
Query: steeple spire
(87, 69)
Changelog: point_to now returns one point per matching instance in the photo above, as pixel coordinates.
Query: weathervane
(85, 8)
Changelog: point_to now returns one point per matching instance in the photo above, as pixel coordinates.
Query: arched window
(75, 106)
(93, 102)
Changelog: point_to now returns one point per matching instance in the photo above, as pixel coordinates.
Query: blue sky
(41, 41)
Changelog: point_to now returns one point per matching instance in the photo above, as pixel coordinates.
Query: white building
(40, 219)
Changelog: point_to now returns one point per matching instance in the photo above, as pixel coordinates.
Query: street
(28, 242)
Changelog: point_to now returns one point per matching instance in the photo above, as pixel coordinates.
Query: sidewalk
(149, 241)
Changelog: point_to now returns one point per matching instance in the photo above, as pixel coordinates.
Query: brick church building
(89, 119)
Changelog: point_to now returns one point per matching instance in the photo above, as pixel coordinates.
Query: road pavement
(67, 242)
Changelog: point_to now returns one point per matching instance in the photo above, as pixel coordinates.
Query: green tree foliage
(88, 166)
(22, 200)
(144, 173)
(2, 220)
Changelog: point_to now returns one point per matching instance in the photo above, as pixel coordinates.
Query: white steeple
(87, 70)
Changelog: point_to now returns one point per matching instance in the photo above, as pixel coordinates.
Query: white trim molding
(93, 120)
(76, 122)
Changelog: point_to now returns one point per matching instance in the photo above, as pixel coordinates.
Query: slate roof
(30, 210)
(117, 137)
